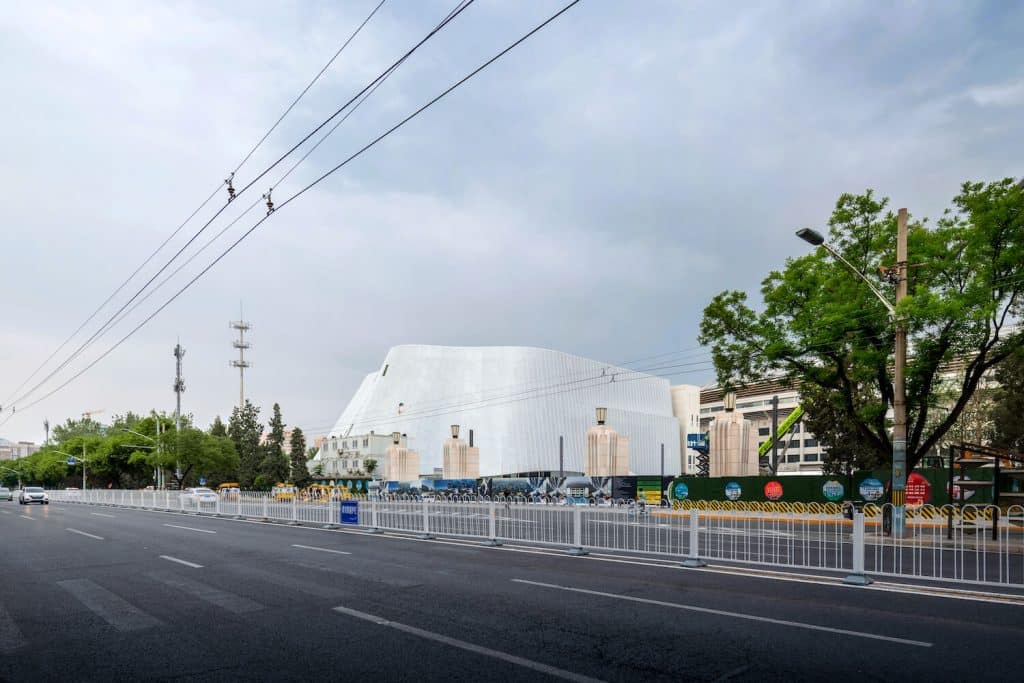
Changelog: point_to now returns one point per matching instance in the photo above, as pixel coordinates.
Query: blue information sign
(72, 461)
(202, 481)
(350, 512)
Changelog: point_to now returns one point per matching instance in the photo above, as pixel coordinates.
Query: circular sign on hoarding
(871, 489)
(919, 489)
(733, 491)
(773, 490)
(833, 490)
(681, 491)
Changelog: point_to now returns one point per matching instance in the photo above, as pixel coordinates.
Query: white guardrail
(975, 545)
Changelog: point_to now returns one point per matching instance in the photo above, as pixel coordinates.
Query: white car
(33, 494)
(199, 494)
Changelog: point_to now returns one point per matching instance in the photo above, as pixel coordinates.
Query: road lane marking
(10, 635)
(27, 517)
(236, 604)
(470, 647)
(7, 512)
(82, 533)
(723, 613)
(109, 607)
(184, 562)
(323, 550)
(102, 514)
(190, 528)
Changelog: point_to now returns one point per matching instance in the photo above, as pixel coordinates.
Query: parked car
(6, 493)
(33, 494)
(199, 494)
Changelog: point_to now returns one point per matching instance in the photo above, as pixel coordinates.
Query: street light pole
(899, 400)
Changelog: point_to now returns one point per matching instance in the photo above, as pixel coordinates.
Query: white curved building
(517, 400)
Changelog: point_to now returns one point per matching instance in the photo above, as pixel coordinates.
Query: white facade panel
(517, 401)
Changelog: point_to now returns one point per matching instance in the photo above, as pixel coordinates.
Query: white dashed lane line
(323, 550)
(83, 533)
(180, 561)
(723, 613)
(191, 528)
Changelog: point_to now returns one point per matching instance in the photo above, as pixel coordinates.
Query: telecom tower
(179, 386)
(241, 363)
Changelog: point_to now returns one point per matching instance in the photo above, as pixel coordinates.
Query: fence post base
(374, 530)
(857, 580)
(329, 526)
(693, 563)
(577, 552)
(492, 543)
(425, 536)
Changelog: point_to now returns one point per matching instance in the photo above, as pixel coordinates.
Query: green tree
(245, 430)
(1008, 409)
(300, 475)
(218, 428)
(197, 453)
(370, 465)
(825, 418)
(73, 428)
(274, 465)
(820, 326)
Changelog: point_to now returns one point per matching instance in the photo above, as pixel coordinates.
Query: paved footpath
(97, 593)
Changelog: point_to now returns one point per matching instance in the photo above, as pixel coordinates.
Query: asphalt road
(96, 593)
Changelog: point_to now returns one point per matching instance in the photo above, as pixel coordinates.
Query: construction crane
(87, 414)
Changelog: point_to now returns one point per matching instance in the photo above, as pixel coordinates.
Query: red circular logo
(919, 489)
(773, 490)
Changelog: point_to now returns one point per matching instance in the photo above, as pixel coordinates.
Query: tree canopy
(821, 329)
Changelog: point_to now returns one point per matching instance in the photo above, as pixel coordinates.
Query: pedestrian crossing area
(151, 601)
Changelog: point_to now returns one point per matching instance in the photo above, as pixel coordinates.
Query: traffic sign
(72, 461)
(202, 481)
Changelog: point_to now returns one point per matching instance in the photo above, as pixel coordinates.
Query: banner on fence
(350, 512)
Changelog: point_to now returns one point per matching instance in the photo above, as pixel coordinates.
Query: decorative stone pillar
(461, 460)
(733, 443)
(607, 450)
(400, 463)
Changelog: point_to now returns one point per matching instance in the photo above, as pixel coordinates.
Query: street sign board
(202, 481)
(350, 512)
(72, 462)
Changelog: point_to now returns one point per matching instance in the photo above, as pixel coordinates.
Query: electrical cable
(462, 6)
(316, 182)
(206, 201)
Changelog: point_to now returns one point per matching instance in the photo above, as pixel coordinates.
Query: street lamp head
(810, 236)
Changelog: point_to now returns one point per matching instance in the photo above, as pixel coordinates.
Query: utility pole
(179, 386)
(899, 402)
(241, 363)
(775, 435)
(46, 426)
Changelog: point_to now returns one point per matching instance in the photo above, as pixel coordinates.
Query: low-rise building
(346, 455)
(11, 450)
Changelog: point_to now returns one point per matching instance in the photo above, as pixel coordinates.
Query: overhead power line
(320, 179)
(311, 83)
(192, 215)
(450, 17)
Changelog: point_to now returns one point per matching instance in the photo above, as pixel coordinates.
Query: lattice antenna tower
(242, 326)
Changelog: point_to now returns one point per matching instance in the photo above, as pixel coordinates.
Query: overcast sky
(589, 193)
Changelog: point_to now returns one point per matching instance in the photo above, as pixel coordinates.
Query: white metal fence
(974, 544)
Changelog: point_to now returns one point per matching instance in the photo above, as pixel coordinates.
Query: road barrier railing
(975, 544)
